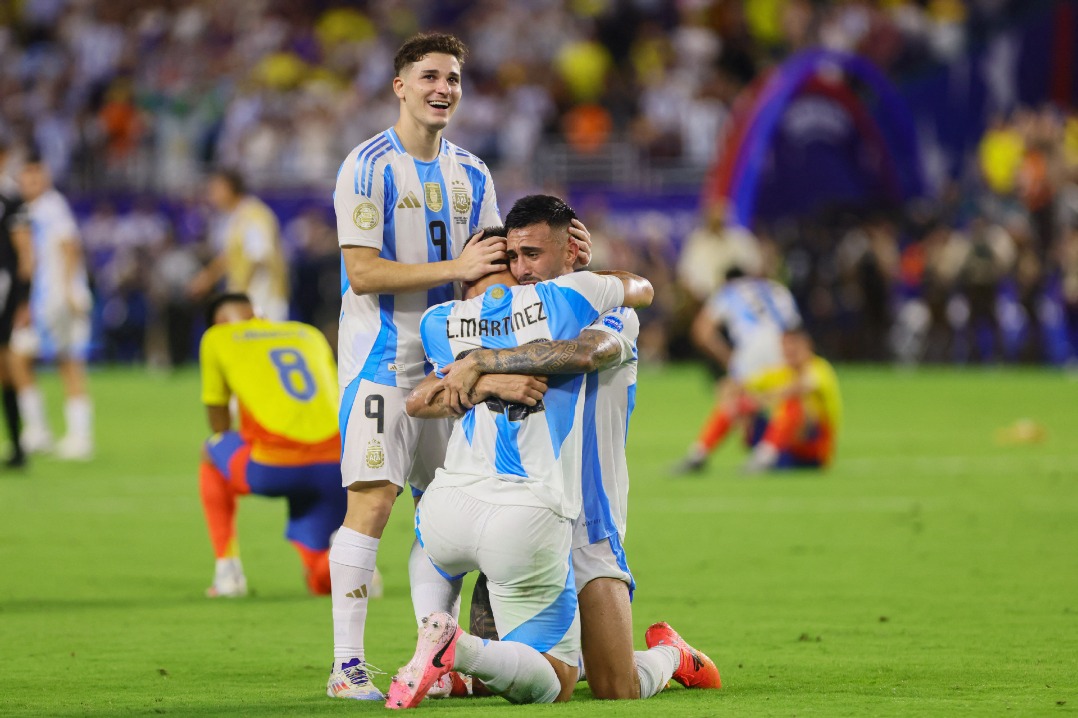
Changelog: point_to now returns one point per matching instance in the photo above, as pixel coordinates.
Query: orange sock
(715, 430)
(219, 505)
(786, 424)
(315, 568)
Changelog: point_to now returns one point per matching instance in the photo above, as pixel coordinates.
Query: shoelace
(359, 675)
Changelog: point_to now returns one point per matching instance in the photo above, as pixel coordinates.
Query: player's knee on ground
(567, 676)
(606, 627)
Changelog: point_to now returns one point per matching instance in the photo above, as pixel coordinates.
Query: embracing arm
(368, 273)
(638, 291)
(593, 350)
(432, 399)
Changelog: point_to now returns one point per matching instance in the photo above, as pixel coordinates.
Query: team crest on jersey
(432, 193)
(365, 216)
(614, 323)
(497, 293)
(462, 199)
(376, 458)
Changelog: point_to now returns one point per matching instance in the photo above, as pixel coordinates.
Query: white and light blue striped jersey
(536, 451)
(52, 225)
(609, 399)
(748, 305)
(413, 212)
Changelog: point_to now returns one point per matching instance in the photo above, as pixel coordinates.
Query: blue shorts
(316, 499)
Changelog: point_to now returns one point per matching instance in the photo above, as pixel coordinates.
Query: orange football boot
(696, 670)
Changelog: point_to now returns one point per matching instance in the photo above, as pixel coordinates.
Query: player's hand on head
(481, 257)
(580, 234)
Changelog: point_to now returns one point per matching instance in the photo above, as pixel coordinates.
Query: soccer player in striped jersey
(753, 312)
(406, 200)
(505, 501)
(282, 377)
(539, 250)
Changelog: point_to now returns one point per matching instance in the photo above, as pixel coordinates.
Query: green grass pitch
(930, 572)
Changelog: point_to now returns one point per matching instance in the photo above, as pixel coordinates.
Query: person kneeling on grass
(804, 409)
(284, 381)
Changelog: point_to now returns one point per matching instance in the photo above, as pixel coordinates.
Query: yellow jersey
(822, 403)
(285, 381)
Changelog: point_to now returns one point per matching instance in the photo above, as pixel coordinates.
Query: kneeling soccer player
(283, 378)
(505, 501)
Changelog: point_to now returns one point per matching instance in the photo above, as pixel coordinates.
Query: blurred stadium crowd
(131, 102)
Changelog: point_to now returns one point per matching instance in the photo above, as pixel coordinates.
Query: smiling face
(429, 90)
(537, 253)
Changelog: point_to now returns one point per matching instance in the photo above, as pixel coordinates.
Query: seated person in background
(284, 380)
(740, 330)
(804, 408)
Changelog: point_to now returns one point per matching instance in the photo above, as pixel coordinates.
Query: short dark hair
(495, 231)
(419, 46)
(232, 177)
(221, 300)
(734, 272)
(540, 209)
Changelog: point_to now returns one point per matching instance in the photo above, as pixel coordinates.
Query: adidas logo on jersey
(409, 202)
(360, 592)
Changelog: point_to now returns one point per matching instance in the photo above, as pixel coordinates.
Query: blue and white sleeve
(432, 330)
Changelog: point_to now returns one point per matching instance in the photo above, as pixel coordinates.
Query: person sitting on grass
(804, 409)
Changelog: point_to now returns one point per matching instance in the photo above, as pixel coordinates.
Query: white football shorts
(380, 442)
(524, 552)
(603, 559)
(759, 351)
(54, 335)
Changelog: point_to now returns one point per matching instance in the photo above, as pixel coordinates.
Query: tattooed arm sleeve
(591, 351)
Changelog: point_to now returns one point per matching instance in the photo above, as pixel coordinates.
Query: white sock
(431, 591)
(351, 575)
(655, 668)
(512, 670)
(227, 567)
(79, 415)
(32, 409)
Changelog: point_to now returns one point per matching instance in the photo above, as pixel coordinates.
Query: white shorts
(602, 559)
(56, 335)
(760, 350)
(524, 552)
(380, 442)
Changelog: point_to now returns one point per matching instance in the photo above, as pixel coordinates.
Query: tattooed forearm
(591, 351)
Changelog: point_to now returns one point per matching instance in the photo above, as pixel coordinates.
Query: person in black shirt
(16, 268)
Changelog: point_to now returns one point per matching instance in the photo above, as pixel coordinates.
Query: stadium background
(930, 571)
(937, 171)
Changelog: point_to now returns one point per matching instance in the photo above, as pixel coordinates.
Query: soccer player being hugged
(282, 378)
(803, 405)
(505, 501)
(406, 200)
(539, 250)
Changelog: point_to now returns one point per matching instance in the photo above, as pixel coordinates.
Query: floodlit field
(932, 571)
